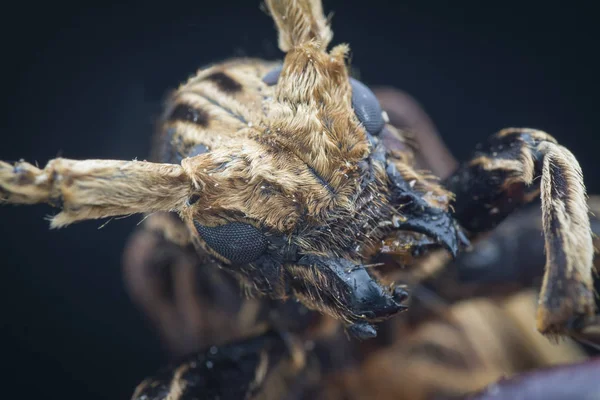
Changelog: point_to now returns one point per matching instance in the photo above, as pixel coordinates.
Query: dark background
(87, 82)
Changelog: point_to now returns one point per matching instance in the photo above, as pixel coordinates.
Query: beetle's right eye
(238, 242)
(366, 107)
(272, 76)
(197, 150)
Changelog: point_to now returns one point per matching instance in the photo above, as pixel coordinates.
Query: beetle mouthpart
(421, 217)
(400, 295)
(438, 225)
(361, 331)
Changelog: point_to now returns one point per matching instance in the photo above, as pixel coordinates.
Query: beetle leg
(502, 177)
(510, 257)
(263, 366)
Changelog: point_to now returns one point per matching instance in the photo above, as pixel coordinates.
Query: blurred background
(87, 81)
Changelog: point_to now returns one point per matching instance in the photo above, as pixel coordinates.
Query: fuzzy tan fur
(567, 290)
(568, 280)
(92, 189)
(299, 22)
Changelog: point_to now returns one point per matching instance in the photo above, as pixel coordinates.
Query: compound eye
(197, 150)
(271, 77)
(365, 104)
(237, 242)
(367, 107)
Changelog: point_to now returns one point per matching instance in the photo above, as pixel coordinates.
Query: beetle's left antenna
(92, 189)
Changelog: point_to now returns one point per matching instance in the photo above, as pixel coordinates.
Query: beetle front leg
(499, 179)
(263, 366)
(512, 256)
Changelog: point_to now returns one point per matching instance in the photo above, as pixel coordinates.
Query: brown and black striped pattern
(318, 196)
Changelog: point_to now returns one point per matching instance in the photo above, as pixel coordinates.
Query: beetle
(468, 320)
(288, 178)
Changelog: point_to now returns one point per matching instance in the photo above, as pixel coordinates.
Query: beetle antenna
(299, 21)
(93, 189)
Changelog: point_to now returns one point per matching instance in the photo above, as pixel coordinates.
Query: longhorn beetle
(290, 177)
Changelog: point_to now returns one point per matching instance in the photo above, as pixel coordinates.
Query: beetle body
(288, 177)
